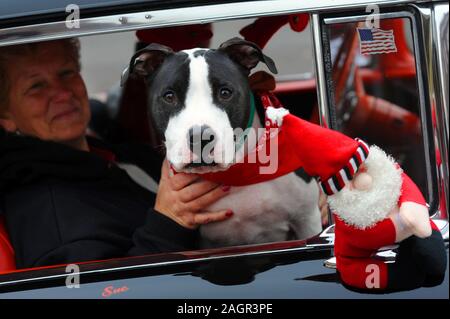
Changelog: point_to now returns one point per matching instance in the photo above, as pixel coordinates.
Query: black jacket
(63, 205)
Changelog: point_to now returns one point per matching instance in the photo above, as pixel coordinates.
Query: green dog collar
(243, 137)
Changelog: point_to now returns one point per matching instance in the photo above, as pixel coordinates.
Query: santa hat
(180, 37)
(330, 156)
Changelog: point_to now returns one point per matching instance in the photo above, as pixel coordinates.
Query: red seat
(7, 260)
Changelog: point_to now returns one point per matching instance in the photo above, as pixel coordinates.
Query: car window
(105, 56)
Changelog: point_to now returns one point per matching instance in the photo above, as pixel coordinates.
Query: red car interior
(7, 261)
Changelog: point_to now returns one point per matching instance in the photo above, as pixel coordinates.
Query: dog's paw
(274, 116)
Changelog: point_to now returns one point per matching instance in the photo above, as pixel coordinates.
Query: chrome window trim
(423, 82)
(431, 72)
(440, 65)
(363, 17)
(319, 66)
(306, 247)
(440, 27)
(178, 16)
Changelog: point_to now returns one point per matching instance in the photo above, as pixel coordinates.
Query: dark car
(398, 101)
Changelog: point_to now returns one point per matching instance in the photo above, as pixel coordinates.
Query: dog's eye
(169, 97)
(225, 93)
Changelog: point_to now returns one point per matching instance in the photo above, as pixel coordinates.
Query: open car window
(376, 90)
(103, 57)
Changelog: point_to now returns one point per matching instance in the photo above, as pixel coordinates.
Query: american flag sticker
(376, 41)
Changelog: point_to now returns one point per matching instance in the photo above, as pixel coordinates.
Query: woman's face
(48, 97)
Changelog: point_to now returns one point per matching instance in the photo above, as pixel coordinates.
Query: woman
(63, 195)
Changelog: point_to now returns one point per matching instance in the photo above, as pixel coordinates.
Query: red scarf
(246, 172)
(299, 144)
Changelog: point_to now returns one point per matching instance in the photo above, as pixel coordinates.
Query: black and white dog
(197, 99)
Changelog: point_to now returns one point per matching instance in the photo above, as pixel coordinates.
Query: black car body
(291, 269)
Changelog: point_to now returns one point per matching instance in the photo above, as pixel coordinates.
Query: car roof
(13, 9)
(33, 7)
(10, 9)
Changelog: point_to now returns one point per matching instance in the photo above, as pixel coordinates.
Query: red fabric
(263, 29)
(321, 152)
(298, 22)
(354, 247)
(105, 154)
(410, 192)
(178, 38)
(7, 259)
(357, 271)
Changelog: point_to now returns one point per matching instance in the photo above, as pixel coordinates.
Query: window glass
(375, 89)
(119, 115)
(104, 56)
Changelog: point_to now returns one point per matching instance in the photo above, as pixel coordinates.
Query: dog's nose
(199, 137)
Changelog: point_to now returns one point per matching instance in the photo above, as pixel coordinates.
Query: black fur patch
(172, 75)
(223, 72)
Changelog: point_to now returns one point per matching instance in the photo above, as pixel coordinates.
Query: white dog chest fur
(266, 212)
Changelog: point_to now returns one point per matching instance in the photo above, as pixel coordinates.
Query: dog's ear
(144, 62)
(247, 54)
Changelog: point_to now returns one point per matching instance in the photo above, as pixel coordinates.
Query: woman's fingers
(210, 217)
(179, 180)
(207, 199)
(165, 168)
(195, 190)
(183, 197)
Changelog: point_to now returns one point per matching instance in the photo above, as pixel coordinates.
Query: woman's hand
(184, 197)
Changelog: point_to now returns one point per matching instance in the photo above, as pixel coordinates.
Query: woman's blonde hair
(9, 53)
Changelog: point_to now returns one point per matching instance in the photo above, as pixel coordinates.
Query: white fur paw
(416, 218)
(364, 208)
(276, 114)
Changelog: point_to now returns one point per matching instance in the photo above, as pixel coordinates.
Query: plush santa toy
(374, 202)
(379, 207)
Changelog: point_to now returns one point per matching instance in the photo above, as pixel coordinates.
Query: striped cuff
(337, 182)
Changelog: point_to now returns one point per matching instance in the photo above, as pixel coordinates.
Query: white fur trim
(364, 209)
(276, 114)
